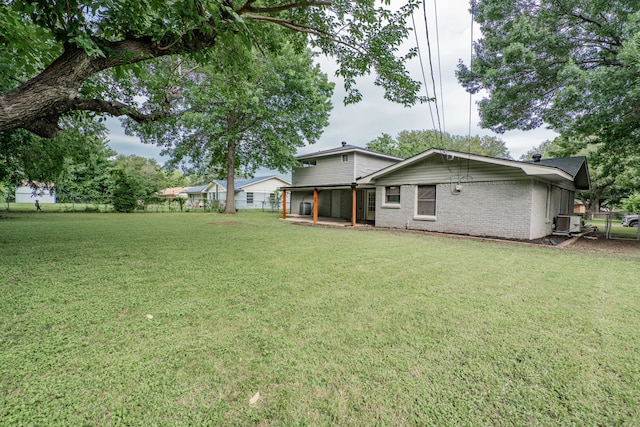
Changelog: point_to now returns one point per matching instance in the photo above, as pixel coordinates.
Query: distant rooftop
(346, 148)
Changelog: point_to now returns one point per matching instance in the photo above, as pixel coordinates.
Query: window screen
(427, 200)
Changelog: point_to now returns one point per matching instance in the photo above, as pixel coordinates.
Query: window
(308, 163)
(345, 158)
(392, 194)
(249, 198)
(547, 214)
(426, 205)
(272, 197)
(566, 201)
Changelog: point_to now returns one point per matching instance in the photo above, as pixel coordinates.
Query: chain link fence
(86, 203)
(610, 224)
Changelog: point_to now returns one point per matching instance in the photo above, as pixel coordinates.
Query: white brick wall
(508, 209)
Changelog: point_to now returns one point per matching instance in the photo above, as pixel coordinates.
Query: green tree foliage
(544, 149)
(240, 113)
(125, 191)
(64, 56)
(25, 156)
(411, 142)
(632, 203)
(89, 178)
(613, 178)
(144, 176)
(572, 64)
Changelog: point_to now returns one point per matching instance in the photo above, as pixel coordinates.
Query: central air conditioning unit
(568, 224)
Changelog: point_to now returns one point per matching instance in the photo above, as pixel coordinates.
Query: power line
(424, 77)
(473, 4)
(471, 63)
(435, 13)
(433, 81)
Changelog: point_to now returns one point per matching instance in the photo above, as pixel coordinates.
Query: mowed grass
(182, 319)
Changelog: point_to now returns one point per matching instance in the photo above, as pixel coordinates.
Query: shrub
(124, 198)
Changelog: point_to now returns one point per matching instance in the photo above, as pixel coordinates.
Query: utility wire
(435, 13)
(433, 81)
(473, 4)
(473, 8)
(424, 76)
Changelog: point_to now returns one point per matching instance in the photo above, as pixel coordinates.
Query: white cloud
(128, 145)
(360, 123)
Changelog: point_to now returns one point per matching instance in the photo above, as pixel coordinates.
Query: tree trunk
(38, 104)
(230, 203)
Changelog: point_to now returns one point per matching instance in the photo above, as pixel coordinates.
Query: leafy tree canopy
(143, 175)
(64, 56)
(613, 178)
(572, 64)
(25, 156)
(239, 112)
(411, 142)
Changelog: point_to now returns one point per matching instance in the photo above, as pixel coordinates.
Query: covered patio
(332, 204)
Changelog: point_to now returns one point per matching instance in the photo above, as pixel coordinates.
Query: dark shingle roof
(570, 165)
(574, 166)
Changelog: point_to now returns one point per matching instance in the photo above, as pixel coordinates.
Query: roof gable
(548, 171)
(574, 166)
(345, 149)
(243, 182)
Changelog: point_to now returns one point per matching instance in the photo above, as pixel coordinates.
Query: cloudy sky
(360, 123)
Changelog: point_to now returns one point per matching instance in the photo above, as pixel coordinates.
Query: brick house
(462, 193)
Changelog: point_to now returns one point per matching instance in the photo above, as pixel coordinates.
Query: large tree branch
(116, 108)
(38, 103)
(300, 28)
(248, 6)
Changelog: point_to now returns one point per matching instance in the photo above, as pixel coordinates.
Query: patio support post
(353, 206)
(315, 205)
(284, 204)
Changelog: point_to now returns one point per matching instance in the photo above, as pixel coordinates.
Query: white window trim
(415, 209)
(384, 203)
(547, 214)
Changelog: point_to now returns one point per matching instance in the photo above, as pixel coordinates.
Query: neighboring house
(173, 192)
(43, 193)
(250, 193)
(579, 207)
(330, 177)
(454, 192)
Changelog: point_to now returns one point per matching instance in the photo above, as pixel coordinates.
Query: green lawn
(178, 319)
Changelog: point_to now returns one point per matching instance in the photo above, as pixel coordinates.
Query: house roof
(172, 191)
(36, 184)
(576, 168)
(346, 148)
(195, 190)
(243, 182)
(238, 183)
